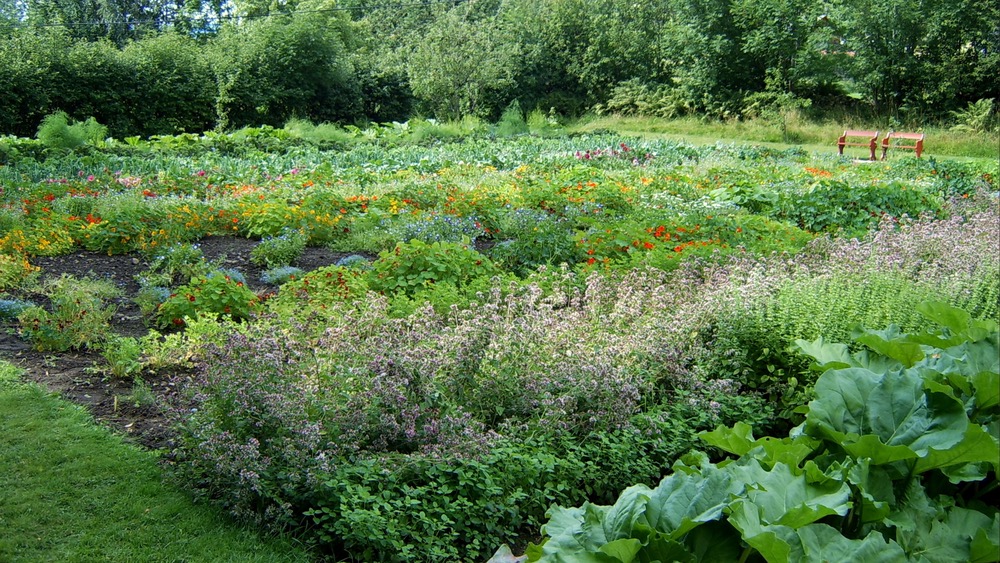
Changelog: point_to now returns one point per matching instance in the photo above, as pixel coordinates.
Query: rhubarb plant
(896, 460)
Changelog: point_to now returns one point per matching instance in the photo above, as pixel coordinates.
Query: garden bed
(475, 330)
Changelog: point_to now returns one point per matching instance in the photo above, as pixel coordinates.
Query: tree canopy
(145, 67)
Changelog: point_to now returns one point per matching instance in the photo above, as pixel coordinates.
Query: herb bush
(346, 426)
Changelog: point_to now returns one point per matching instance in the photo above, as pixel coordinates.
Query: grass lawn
(72, 491)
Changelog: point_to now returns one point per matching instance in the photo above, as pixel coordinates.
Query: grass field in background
(810, 135)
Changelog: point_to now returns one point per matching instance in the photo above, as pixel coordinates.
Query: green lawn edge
(71, 490)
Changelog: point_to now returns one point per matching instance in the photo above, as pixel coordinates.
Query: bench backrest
(917, 146)
(895, 135)
(867, 134)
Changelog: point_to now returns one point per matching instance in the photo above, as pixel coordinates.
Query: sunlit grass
(72, 491)
(797, 131)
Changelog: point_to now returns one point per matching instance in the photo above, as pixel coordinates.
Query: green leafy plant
(279, 251)
(176, 264)
(11, 308)
(123, 354)
(318, 289)
(57, 132)
(977, 117)
(216, 294)
(79, 316)
(414, 265)
(879, 470)
(15, 271)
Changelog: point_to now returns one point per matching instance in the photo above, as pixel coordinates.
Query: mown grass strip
(72, 491)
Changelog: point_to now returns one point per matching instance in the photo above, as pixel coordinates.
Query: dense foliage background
(166, 67)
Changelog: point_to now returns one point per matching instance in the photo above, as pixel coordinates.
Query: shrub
(123, 354)
(529, 238)
(176, 264)
(56, 132)
(349, 436)
(909, 413)
(434, 227)
(512, 121)
(355, 262)
(11, 308)
(322, 285)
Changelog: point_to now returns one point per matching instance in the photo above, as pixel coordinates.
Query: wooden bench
(917, 146)
(871, 138)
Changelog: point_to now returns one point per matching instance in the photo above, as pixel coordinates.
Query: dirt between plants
(77, 375)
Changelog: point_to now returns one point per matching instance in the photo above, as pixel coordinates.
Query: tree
(268, 70)
(457, 65)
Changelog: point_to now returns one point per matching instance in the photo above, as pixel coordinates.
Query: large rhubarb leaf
(785, 498)
(881, 416)
(889, 343)
(976, 446)
(739, 440)
(682, 501)
(815, 542)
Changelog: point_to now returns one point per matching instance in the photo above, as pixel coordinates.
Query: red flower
(649, 245)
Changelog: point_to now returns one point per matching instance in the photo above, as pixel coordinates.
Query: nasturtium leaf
(875, 485)
(985, 545)
(914, 513)
(619, 519)
(944, 536)
(505, 555)
(682, 501)
(871, 447)
(592, 532)
(562, 520)
(968, 359)
(828, 355)
(789, 451)
(766, 539)
(955, 319)
(987, 384)
(892, 407)
(663, 550)
(840, 408)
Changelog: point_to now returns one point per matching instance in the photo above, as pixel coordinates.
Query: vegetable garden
(524, 324)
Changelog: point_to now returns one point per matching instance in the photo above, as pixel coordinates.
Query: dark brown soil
(77, 375)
